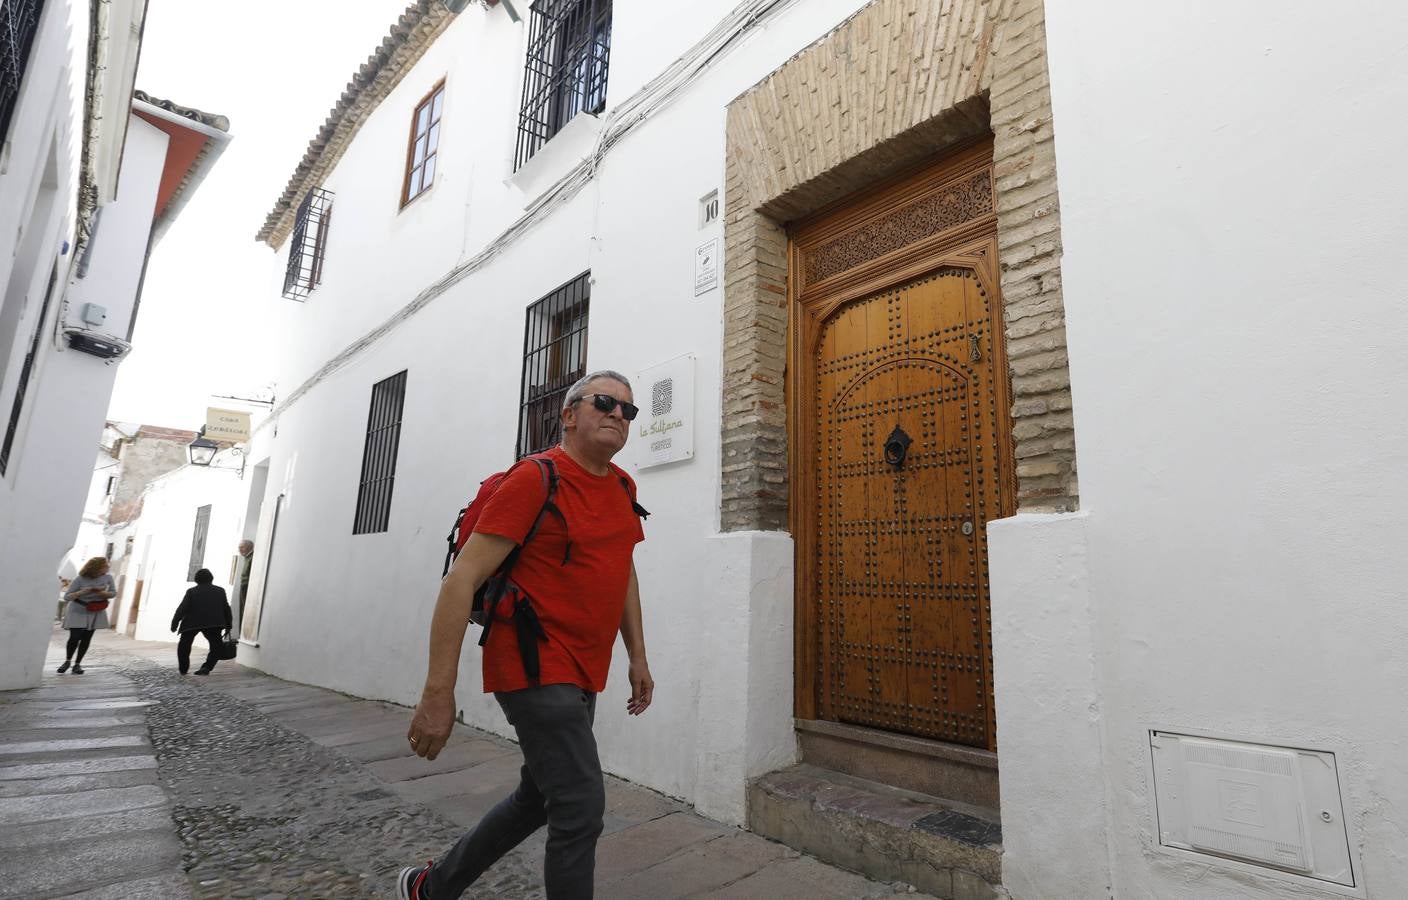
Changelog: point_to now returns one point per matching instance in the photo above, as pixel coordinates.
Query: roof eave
(411, 36)
(215, 130)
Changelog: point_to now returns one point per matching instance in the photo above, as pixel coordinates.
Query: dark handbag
(96, 605)
(229, 646)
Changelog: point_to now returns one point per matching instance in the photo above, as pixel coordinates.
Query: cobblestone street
(130, 781)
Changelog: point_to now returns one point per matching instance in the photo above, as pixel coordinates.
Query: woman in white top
(88, 596)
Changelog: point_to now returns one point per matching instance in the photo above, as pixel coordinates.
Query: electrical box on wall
(94, 315)
(1274, 807)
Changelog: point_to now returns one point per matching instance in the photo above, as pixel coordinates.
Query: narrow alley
(242, 785)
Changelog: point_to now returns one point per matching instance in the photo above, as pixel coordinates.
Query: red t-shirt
(580, 603)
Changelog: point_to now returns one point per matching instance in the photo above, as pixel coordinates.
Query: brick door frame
(899, 83)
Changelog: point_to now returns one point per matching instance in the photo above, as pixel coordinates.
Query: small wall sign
(664, 430)
(226, 425)
(706, 267)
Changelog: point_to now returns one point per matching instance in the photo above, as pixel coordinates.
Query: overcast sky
(274, 68)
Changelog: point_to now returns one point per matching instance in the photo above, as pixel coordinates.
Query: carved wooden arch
(831, 122)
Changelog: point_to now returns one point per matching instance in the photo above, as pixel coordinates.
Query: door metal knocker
(896, 446)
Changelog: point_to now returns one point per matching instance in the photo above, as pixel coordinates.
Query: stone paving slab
(633, 849)
(77, 767)
(311, 711)
(392, 747)
(58, 755)
(111, 703)
(17, 734)
(380, 731)
(162, 887)
(699, 870)
(49, 834)
(52, 707)
(492, 779)
(62, 745)
(78, 723)
(452, 759)
(802, 878)
(333, 723)
(46, 807)
(90, 864)
(68, 784)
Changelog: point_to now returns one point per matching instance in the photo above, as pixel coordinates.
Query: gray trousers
(560, 785)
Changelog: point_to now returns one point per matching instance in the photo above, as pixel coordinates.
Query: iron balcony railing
(569, 47)
(308, 245)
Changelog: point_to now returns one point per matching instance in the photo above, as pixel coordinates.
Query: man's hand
(642, 687)
(432, 722)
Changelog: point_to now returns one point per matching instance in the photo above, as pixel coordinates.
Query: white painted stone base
(745, 712)
(1054, 808)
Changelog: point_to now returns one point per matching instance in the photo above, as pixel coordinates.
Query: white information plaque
(664, 430)
(706, 267)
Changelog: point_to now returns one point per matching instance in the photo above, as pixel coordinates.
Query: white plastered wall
(718, 608)
(1233, 225)
(61, 420)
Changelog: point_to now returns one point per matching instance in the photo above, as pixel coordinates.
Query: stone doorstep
(946, 849)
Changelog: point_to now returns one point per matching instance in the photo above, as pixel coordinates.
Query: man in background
(245, 562)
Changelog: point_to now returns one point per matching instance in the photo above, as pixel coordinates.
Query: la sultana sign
(665, 427)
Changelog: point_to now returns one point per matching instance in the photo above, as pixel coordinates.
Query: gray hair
(575, 392)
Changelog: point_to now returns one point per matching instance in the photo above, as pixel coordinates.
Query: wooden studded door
(901, 453)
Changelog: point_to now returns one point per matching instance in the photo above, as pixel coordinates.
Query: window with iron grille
(198, 542)
(569, 44)
(422, 154)
(379, 455)
(27, 369)
(19, 20)
(308, 245)
(554, 356)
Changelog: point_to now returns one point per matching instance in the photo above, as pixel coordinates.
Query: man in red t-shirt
(577, 572)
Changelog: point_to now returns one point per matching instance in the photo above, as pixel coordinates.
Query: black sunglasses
(606, 403)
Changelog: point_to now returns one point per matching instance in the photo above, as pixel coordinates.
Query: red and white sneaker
(410, 884)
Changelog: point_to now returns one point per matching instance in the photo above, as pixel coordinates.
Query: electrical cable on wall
(651, 99)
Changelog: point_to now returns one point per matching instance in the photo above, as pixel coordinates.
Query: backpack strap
(626, 486)
(450, 539)
(547, 470)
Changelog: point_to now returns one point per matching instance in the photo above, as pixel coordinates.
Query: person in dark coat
(204, 609)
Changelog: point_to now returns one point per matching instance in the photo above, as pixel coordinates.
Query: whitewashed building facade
(893, 327)
(91, 174)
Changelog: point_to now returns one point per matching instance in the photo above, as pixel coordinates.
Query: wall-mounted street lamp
(202, 449)
(202, 452)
